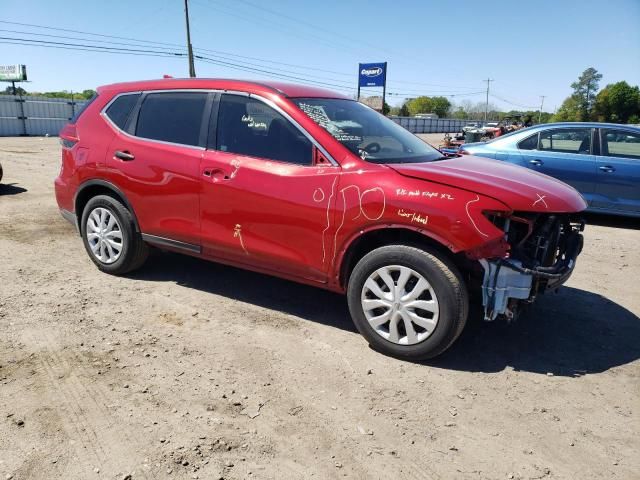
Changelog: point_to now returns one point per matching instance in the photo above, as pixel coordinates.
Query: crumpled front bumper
(508, 282)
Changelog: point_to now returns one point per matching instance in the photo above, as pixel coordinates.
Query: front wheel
(407, 302)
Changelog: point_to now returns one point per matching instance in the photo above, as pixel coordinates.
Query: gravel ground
(188, 369)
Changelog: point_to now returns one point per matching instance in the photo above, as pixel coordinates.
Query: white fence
(26, 115)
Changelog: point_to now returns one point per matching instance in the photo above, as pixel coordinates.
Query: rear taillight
(69, 136)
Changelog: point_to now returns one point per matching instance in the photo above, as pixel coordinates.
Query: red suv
(312, 186)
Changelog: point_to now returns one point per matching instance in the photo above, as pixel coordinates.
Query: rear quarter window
(120, 109)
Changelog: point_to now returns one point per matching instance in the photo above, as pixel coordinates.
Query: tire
(445, 299)
(132, 251)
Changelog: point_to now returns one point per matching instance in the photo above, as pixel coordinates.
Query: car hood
(517, 187)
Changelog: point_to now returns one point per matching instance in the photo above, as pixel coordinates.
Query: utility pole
(486, 106)
(192, 68)
(542, 97)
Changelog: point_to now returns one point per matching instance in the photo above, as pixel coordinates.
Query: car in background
(472, 126)
(312, 186)
(600, 160)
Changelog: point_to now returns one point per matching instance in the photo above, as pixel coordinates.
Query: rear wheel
(109, 236)
(407, 302)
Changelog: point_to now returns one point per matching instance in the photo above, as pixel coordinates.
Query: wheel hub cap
(104, 235)
(400, 305)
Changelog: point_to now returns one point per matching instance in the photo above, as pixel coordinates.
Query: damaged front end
(542, 255)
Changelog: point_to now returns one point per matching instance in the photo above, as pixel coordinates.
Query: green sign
(13, 73)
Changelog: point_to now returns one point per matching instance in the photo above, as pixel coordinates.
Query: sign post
(373, 75)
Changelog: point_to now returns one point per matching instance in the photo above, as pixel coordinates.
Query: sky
(529, 49)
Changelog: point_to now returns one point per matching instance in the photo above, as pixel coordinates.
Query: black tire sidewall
(450, 311)
(128, 232)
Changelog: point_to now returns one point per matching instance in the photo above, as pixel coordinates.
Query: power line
(218, 59)
(88, 33)
(88, 46)
(166, 55)
(511, 102)
(216, 53)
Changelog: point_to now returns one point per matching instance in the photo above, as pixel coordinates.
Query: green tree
(404, 110)
(419, 105)
(570, 111)
(19, 91)
(438, 105)
(88, 93)
(617, 102)
(585, 90)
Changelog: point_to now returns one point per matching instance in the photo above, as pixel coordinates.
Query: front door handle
(607, 168)
(125, 156)
(536, 163)
(215, 174)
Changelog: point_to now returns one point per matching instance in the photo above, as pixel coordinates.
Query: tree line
(616, 103)
(83, 95)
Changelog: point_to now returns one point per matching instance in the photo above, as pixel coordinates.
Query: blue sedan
(600, 160)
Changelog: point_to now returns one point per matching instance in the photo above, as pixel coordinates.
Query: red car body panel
(290, 220)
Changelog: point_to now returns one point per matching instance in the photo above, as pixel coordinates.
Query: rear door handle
(607, 168)
(536, 163)
(125, 156)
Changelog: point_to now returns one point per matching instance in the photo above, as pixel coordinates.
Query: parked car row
(601, 161)
(312, 186)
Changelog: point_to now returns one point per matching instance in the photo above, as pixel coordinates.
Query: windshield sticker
(318, 115)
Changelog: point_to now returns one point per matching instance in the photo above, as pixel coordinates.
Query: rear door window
(118, 112)
(247, 126)
(620, 143)
(566, 140)
(174, 117)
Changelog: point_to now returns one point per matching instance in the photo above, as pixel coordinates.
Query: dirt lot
(188, 369)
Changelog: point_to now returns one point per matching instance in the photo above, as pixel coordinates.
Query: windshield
(365, 132)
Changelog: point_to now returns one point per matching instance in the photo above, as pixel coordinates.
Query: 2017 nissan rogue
(306, 184)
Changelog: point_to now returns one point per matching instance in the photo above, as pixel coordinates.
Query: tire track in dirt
(92, 422)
